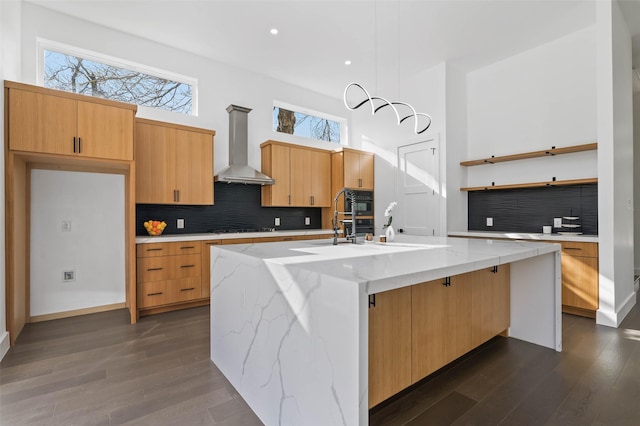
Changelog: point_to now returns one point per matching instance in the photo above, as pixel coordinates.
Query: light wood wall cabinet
(414, 331)
(56, 130)
(357, 168)
(302, 175)
(168, 274)
(53, 122)
(174, 164)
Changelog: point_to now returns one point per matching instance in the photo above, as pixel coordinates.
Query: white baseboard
(4, 344)
(614, 319)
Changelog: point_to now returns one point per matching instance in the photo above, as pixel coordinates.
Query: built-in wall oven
(364, 209)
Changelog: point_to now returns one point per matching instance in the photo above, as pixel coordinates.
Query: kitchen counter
(228, 236)
(289, 320)
(525, 236)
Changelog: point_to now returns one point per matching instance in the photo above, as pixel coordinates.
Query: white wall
(381, 135)
(218, 84)
(534, 100)
(94, 248)
(10, 23)
(615, 165)
(636, 170)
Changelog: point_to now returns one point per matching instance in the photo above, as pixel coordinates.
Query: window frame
(65, 49)
(344, 141)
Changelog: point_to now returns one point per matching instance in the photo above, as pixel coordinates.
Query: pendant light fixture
(402, 110)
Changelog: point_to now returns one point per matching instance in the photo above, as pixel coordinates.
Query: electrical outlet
(307, 221)
(68, 276)
(277, 221)
(66, 226)
(180, 224)
(557, 222)
(489, 221)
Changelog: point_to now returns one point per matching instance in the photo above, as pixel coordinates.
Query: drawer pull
(155, 249)
(154, 294)
(572, 248)
(213, 244)
(187, 266)
(187, 289)
(154, 269)
(187, 247)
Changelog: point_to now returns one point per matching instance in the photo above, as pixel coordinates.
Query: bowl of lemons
(155, 227)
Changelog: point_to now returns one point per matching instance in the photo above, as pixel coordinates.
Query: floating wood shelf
(533, 154)
(531, 184)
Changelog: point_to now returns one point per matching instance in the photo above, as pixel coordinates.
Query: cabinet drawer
(167, 249)
(573, 248)
(168, 267)
(184, 289)
(152, 294)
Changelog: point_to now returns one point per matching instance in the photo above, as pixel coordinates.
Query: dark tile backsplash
(529, 209)
(236, 206)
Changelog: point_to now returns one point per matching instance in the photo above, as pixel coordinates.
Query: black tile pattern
(236, 206)
(529, 209)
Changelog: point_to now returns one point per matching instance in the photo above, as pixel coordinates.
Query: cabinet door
(351, 169)
(440, 331)
(366, 171)
(300, 177)
(155, 164)
(105, 131)
(194, 167)
(580, 282)
(41, 123)
(490, 307)
(389, 344)
(276, 165)
(320, 178)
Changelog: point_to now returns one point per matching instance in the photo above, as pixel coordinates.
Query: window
(87, 74)
(296, 121)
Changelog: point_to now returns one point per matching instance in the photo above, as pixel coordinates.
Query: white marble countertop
(526, 236)
(289, 320)
(386, 266)
(228, 236)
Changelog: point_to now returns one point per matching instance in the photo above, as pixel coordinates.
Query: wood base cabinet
(580, 278)
(414, 331)
(168, 274)
(389, 343)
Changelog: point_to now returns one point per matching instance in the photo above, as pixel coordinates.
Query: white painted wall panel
(94, 248)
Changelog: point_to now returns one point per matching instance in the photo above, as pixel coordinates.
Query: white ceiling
(384, 39)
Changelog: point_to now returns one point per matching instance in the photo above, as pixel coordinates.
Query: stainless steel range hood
(239, 170)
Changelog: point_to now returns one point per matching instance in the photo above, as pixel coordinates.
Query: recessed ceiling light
(347, 62)
(274, 31)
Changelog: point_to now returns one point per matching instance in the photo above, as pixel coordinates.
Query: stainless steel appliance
(364, 211)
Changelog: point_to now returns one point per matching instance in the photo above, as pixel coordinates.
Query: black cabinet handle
(187, 289)
(447, 282)
(155, 249)
(154, 269)
(187, 266)
(372, 300)
(572, 248)
(154, 294)
(494, 269)
(187, 247)
(79, 145)
(75, 146)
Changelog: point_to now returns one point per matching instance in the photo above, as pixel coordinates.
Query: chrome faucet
(335, 222)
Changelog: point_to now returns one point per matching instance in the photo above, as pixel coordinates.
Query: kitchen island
(290, 320)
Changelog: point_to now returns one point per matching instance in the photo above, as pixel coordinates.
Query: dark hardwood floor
(100, 370)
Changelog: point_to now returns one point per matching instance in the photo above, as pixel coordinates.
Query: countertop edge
(212, 236)
(525, 236)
